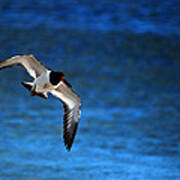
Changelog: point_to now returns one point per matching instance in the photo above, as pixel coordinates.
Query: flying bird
(48, 81)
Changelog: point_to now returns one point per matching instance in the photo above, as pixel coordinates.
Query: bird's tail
(30, 87)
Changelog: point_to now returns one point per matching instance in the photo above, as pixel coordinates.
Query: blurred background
(123, 59)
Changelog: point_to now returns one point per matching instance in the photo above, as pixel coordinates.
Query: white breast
(41, 81)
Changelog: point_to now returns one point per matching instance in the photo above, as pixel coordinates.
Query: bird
(49, 81)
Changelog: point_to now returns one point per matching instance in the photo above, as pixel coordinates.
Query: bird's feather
(29, 62)
(72, 110)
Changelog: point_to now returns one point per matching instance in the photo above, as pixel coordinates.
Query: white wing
(72, 110)
(29, 62)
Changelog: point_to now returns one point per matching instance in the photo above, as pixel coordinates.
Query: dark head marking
(56, 77)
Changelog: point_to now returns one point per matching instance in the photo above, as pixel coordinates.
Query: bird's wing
(29, 62)
(72, 110)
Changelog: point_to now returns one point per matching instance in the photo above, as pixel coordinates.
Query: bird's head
(60, 76)
(56, 77)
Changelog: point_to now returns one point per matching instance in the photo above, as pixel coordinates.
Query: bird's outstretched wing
(29, 62)
(72, 110)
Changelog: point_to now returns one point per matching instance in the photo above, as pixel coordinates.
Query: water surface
(124, 61)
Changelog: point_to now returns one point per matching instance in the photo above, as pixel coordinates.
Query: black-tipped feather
(67, 134)
(72, 110)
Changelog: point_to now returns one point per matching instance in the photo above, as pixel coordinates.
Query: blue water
(123, 59)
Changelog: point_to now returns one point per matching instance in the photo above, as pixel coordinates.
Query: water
(124, 61)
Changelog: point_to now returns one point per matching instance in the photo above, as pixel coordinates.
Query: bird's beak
(68, 84)
(62, 78)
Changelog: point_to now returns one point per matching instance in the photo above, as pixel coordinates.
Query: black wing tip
(68, 148)
(68, 141)
(68, 144)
